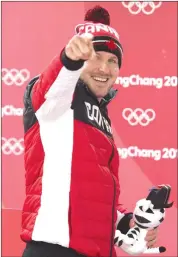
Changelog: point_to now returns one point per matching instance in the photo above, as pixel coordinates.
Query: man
(71, 161)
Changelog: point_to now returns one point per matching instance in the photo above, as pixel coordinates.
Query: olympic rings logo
(145, 7)
(138, 116)
(12, 146)
(14, 76)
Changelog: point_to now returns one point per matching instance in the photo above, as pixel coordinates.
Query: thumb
(131, 223)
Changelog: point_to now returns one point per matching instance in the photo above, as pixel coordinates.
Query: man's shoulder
(29, 87)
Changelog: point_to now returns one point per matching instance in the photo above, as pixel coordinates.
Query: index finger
(87, 37)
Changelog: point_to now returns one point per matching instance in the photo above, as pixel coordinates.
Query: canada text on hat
(96, 29)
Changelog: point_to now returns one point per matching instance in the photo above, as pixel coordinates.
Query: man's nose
(104, 68)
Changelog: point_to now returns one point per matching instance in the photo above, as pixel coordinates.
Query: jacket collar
(105, 100)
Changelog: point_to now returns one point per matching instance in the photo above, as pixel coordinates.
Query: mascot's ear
(140, 202)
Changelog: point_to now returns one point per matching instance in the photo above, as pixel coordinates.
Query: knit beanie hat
(106, 38)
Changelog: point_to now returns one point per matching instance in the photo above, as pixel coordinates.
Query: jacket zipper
(112, 230)
(70, 223)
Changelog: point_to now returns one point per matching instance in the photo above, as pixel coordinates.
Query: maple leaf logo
(111, 45)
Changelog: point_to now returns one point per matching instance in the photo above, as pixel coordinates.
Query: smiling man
(71, 161)
(100, 73)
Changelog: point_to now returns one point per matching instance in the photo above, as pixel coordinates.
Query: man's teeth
(100, 79)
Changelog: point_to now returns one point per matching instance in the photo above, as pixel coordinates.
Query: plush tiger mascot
(148, 214)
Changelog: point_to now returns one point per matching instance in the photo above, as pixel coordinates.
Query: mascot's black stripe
(140, 226)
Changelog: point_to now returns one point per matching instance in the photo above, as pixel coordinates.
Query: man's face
(100, 73)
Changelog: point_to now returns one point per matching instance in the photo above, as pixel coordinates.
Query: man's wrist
(69, 63)
(124, 223)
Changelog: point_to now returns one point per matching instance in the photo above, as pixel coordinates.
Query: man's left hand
(151, 236)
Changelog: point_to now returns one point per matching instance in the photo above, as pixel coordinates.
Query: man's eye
(112, 61)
